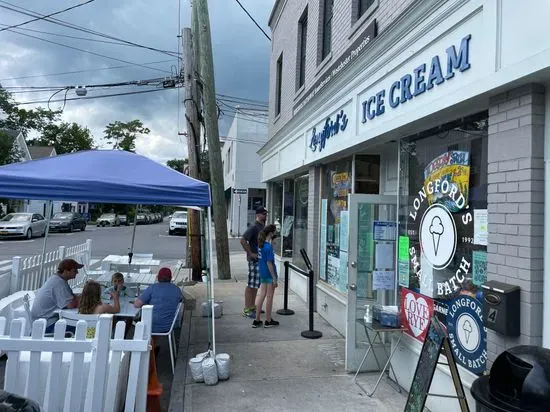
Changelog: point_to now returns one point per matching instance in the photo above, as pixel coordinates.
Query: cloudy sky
(241, 59)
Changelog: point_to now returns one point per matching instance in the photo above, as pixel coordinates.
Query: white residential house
(244, 190)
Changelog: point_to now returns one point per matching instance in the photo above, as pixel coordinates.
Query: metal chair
(171, 337)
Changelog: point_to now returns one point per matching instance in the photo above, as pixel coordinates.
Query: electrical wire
(63, 23)
(46, 16)
(80, 71)
(92, 97)
(88, 51)
(252, 18)
(241, 99)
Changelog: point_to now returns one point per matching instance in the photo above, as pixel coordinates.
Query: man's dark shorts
(253, 274)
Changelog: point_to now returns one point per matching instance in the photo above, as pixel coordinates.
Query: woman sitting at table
(90, 303)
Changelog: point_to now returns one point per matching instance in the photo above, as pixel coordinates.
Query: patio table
(127, 309)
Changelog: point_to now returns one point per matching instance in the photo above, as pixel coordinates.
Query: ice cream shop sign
(437, 230)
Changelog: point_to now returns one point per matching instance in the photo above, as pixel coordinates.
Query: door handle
(353, 286)
(354, 264)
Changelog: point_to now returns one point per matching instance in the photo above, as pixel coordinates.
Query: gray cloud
(241, 58)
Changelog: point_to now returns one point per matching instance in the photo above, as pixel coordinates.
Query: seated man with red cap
(165, 297)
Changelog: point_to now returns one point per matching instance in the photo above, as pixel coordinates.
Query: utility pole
(193, 136)
(213, 137)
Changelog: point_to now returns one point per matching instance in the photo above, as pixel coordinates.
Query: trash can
(519, 381)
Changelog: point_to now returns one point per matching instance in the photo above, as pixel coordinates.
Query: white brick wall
(516, 206)
(285, 40)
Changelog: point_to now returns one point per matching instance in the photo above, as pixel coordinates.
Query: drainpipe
(546, 290)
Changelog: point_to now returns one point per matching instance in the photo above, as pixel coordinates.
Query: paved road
(105, 241)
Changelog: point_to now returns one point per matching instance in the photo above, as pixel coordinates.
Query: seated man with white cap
(56, 294)
(165, 297)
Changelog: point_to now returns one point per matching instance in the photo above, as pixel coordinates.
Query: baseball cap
(261, 210)
(164, 275)
(68, 264)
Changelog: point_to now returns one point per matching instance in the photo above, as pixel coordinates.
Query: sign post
(239, 192)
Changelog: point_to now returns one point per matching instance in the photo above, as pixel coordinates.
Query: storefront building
(406, 155)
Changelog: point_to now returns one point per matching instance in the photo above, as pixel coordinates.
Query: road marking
(18, 241)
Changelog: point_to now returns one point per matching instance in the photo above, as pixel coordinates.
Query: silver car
(25, 225)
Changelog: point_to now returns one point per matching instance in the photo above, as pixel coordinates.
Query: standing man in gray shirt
(56, 294)
(249, 242)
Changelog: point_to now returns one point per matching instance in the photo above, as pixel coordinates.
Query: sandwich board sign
(436, 343)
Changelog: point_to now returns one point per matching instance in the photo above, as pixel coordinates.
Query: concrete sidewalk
(271, 369)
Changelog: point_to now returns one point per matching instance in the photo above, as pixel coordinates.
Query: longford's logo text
(331, 128)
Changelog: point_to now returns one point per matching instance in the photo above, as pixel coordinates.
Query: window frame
(278, 84)
(326, 35)
(301, 50)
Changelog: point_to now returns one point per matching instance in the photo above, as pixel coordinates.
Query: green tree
(14, 118)
(8, 151)
(65, 137)
(177, 164)
(123, 135)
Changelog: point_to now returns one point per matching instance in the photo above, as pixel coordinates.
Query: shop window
(302, 44)
(336, 186)
(364, 6)
(278, 85)
(275, 213)
(326, 38)
(299, 241)
(443, 229)
(287, 228)
(367, 174)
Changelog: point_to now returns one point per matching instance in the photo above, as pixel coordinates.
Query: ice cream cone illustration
(436, 230)
(467, 328)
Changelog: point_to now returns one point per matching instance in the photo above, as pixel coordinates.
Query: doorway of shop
(371, 272)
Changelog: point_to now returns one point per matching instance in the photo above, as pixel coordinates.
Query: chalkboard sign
(436, 343)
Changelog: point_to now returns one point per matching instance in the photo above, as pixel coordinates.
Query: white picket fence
(25, 272)
(117, 369)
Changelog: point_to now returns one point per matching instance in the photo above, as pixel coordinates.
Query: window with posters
(442, 251)
(337, 184)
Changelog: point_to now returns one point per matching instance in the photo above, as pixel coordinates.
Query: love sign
(416, 312)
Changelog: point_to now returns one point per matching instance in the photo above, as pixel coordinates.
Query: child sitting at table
(90, 303)
(117, 280)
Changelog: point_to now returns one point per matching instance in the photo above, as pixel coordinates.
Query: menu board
(436, 340)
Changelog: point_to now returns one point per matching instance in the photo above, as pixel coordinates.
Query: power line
(263, 103)
(88, 51)
(46, 16)
(81, 71)
(91, 97)
(63, 23)
(252, 18)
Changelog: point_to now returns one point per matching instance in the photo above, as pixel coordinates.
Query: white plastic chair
(171, 337)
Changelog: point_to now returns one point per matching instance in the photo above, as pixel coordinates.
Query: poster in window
(481, 232)
(344, 230)
(416, 312)
(479, 267)
(323, 251)
(452, 167)
(365, 241)
(343, 272)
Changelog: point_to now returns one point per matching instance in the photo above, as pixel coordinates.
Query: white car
(25, 225)
(178, 223)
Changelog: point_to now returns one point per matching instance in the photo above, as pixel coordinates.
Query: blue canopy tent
(105, 176)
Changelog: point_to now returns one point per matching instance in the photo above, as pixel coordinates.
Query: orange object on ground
(154, 388)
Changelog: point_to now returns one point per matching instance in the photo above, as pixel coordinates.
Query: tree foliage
(9, 152)
(65, 137)
(122, 135)
(177, 164)
(24, 120)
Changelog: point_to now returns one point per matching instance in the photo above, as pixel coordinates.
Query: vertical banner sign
(323, 251)
(416, 312)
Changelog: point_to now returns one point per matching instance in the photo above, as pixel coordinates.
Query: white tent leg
(210, 246)
(43, 257)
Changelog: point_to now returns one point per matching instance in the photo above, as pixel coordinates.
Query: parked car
(25, 225)
(108, 219)
(67, 222)
(178, 223)
(123, 220)
(151, 217)
(141, 219)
